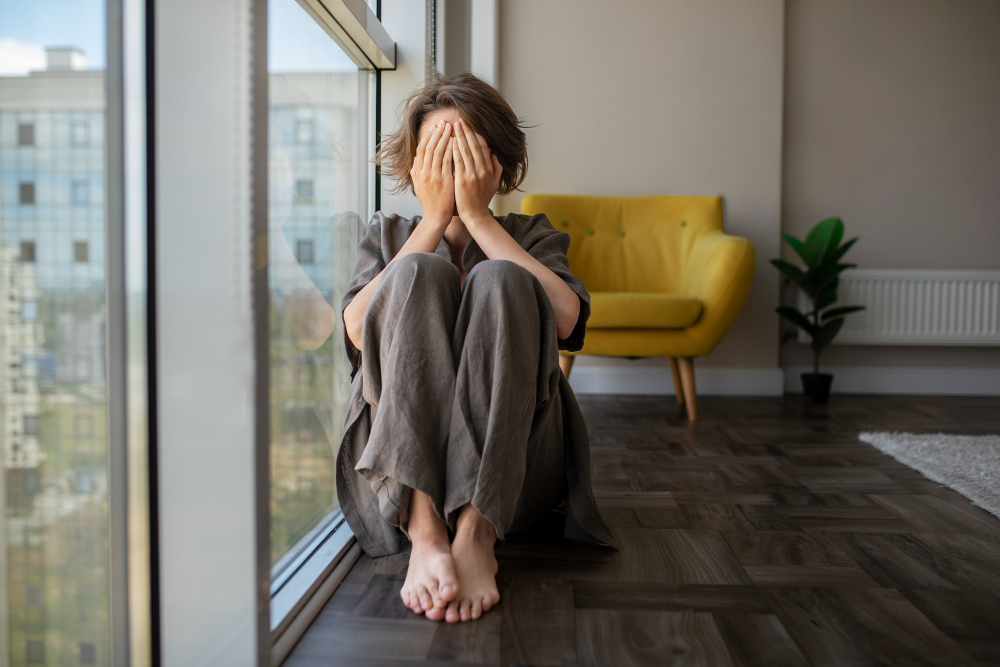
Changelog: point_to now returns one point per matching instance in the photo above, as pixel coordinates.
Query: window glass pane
(319, 166)
(53, 448)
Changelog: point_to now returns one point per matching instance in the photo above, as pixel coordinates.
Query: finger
(418, 157)
(483, 148)
(475, 158)
(449, 156)
(441, 145)
(497, 169)
(468, 163)
(432, 143)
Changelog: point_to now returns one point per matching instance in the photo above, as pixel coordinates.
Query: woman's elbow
(566, 320)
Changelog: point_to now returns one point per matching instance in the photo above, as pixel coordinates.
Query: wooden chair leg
(566, 363)
(687, 380)
(675, 373)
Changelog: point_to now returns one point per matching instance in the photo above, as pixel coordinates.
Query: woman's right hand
(433, 180)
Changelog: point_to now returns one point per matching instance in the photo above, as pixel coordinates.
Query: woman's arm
(434, 186)
(477, 174)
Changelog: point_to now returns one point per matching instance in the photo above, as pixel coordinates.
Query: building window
(304, 251)
(29, 311)
(79, 133)
(36, 652)
(304, 189)
(81, 193)
(88, 653)
(28, 252)
(81, 251)
(27, 193)
(31, 424)
(305, 131)
(34, 595)
(26, 134)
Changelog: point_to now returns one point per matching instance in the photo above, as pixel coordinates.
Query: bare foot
(430, 579)
(476, 567)
(430, 576)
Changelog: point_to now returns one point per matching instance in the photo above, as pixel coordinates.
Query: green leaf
(843, 310)
(834, 242)
(842, 250)
(797, 246)
(825, 276)
(819, 239)
(826, 297)
(796, 318)
(794, 273)
(826, 333)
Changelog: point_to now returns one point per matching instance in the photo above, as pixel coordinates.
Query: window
(304, 189)
(81, 251)
(35, 652)
(26, 134)
(304, 251)
(29, 310)
(81, 192)
(304, 131)
(34, 595)
(79, 133)
(88, 653)
(31, 424)
(27, 193)
(28, 252)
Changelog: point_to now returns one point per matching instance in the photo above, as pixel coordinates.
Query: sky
(296, 43)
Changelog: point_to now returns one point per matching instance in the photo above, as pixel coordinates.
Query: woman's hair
(481, 106)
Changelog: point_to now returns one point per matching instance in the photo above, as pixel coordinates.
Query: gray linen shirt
(381, 240)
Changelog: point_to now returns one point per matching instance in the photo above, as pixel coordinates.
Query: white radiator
(906, 307)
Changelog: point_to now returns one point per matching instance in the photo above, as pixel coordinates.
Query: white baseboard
(930, 381)
(636, 379)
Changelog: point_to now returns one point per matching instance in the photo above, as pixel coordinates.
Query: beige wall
(659, 97)
(892, 121)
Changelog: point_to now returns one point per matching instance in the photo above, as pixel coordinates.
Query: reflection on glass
(318, 190)
(53, 434)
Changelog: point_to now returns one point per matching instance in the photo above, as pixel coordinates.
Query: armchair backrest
(629, 244)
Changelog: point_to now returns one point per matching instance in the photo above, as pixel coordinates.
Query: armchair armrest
(719, 272)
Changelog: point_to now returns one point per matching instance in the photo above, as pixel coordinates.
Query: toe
(448, 586)
(435, 614)
(464, 611)
(477, 608)
(452, 614)
(425, 599)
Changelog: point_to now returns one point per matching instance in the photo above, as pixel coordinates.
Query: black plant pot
(816, 386)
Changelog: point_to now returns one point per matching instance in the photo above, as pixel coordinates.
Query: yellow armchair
(663, 277)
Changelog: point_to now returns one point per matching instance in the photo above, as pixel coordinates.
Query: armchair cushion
(642, 310)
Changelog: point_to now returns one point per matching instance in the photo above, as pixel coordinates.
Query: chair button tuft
(684, 223)
(621, 233)
(563, 223)
(590, 231)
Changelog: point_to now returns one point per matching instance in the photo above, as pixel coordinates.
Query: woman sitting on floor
(460, 422)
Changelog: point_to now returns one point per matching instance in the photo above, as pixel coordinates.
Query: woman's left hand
(477, 173)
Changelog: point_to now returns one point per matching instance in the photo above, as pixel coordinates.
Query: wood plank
(676, 557)
(509, 633)
(768, 518)
(679, 480)
(846, 480)
(976, 555)
(642, 638)
(841, 626)
(664, 597)
(346, 637)
(786, 548)
(758, 639)
(971, 618)
(932, 514)
(838, 518)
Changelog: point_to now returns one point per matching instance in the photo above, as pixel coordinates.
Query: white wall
(892, 121)
(659, 97)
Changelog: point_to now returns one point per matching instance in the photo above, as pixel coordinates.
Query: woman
(460, 420)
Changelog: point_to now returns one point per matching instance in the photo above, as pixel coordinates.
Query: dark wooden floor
(766, 534)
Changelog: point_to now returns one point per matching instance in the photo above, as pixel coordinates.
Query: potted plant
(822, 252)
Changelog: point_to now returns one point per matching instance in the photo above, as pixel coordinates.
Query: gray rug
(970, 464)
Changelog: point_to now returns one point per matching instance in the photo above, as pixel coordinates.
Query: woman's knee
(500, 274)
(427, 267)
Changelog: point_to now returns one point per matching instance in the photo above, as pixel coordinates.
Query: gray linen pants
(464, 387)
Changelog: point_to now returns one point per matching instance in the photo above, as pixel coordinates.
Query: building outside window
(81, 192)
(304, 251)
(79, 133)
(81, 251)
(305, 131)
(25, 134)
(27, 251)
(27, 193)
(304, 189)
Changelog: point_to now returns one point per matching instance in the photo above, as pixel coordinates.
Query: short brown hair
(481, 106)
